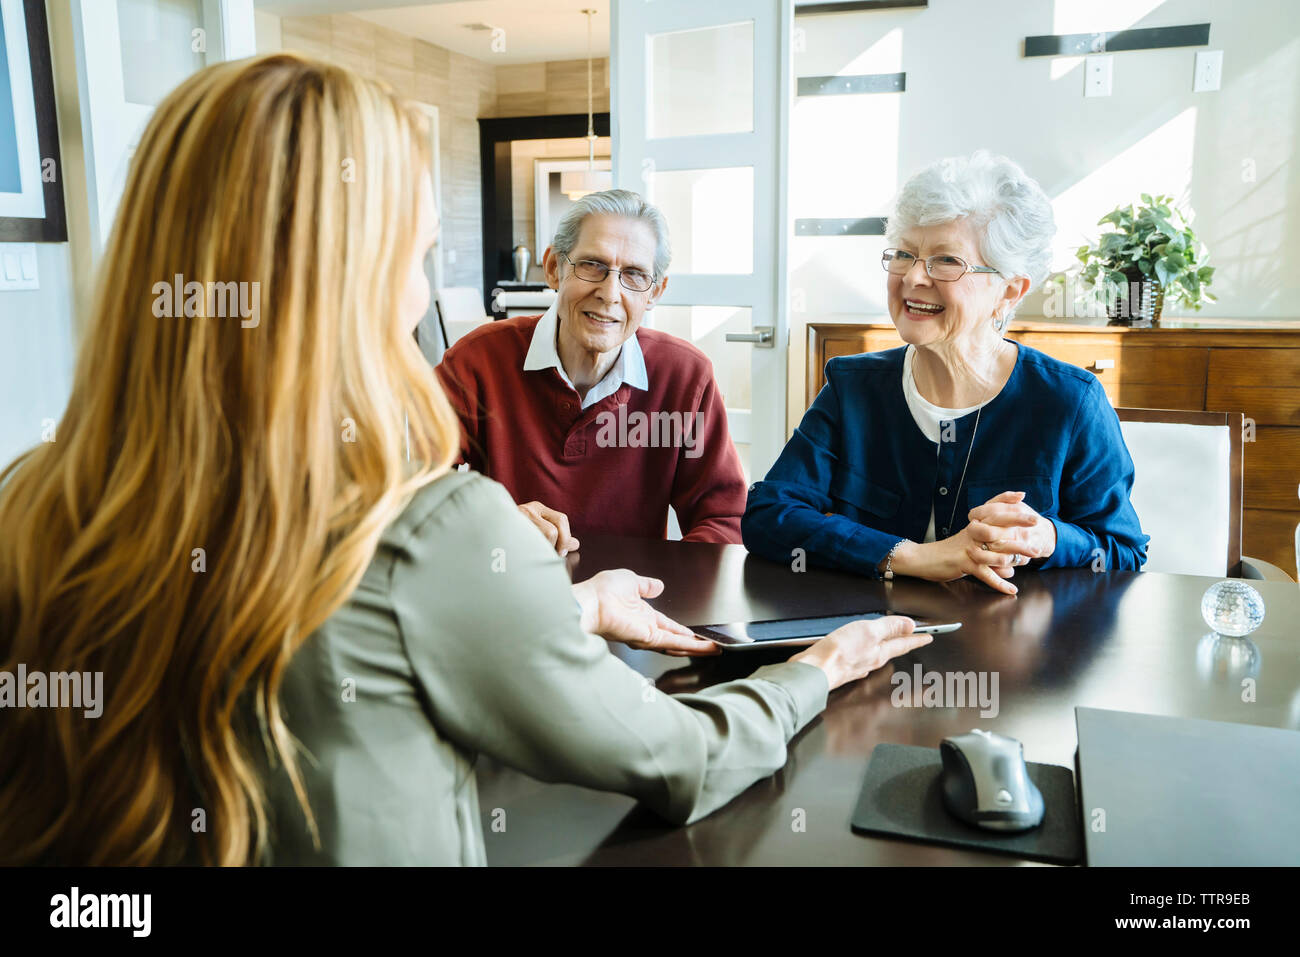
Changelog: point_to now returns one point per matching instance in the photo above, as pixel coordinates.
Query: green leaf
(1145, 266)
(1205, 273)
(1163, 224)
(1176, 261)
(1146, 198)
(1162, 271)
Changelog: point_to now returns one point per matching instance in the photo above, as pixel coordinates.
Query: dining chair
(1187, 491)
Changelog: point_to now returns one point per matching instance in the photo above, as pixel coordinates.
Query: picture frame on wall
(31, 169)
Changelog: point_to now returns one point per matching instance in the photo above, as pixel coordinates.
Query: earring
(1000, 322)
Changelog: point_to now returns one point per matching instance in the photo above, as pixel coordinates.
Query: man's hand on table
(554, 525)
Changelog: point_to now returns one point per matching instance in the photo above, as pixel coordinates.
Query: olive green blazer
(463, 638)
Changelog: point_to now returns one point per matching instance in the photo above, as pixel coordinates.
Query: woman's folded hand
(1006, 525)
(614, 606)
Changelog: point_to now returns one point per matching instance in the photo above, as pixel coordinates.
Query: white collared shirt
(629, 367)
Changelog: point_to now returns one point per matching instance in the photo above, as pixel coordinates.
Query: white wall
(267, 26)
(39, 327)
(1228, 155)
(36, 328)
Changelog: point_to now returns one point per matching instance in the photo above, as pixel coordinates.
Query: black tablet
(737, 635)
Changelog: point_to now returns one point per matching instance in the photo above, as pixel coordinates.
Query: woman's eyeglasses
(637, 280)
(943, 268)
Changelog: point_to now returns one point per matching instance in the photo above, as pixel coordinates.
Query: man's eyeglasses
(943, 268)
(637, 280)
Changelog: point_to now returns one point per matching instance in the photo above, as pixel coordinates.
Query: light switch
(18, 269)
(1097, 75)
(1209, 71)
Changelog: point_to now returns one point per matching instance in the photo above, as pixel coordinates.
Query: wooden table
(1122, 640)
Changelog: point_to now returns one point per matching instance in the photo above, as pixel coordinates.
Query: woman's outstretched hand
(855, 650)
(614, 606)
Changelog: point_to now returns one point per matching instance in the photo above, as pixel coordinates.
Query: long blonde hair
(217, 486)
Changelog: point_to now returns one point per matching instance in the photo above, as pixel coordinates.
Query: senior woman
(962, 452)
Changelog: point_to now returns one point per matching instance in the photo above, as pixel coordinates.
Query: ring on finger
(985, 546)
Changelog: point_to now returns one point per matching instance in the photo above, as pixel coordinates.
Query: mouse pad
(901, 798)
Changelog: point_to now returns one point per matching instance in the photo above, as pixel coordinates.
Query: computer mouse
(985, 782)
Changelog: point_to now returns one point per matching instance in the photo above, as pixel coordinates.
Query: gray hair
(1010, 211)
(614, 202)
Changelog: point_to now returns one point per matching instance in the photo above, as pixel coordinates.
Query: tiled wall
(461, 87)
(532, 89)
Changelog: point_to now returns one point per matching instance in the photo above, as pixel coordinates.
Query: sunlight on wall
(1255, 156)
(1094, 16)
(1160, 162)
(843, 164)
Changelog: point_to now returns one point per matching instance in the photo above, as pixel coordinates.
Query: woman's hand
(614, 607)
(860, 647)
(554, 525)
(1010, 527)
(1003, 534)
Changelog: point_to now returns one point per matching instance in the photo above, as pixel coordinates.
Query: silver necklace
(962, 481)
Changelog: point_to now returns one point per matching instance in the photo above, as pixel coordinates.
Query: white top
(629, 367)
(929, 417)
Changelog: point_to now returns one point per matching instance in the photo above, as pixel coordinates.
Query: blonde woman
(305, 636)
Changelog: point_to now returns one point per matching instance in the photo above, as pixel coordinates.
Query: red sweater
(614, 467)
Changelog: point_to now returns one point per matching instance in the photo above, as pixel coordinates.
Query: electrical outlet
(1209, 71)
(1096, 75)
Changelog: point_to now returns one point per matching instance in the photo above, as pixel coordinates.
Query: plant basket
(1141, 307)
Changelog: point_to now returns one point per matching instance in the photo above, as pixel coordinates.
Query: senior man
(592, 423)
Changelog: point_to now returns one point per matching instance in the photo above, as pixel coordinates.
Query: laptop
(1161, 791)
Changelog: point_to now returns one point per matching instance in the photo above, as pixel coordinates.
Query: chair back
(1187, 488)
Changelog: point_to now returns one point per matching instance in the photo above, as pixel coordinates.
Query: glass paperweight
(1232, 608)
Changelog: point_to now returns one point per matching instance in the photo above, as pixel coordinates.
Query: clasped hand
(1003, 534)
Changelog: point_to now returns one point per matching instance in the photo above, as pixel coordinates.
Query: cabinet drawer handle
(1099, 364)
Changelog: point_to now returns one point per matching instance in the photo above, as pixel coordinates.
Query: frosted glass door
(701, 95)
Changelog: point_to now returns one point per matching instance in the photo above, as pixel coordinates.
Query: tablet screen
(789, 628)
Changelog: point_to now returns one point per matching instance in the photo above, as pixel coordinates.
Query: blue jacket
(858, 475)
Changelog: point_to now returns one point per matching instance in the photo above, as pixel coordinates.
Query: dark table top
(1129, 641)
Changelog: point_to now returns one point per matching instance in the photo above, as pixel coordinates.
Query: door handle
(761, 337)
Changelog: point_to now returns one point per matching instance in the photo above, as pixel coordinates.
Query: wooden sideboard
(1219, 367)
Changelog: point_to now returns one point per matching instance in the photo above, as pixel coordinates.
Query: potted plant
(1151, 257)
